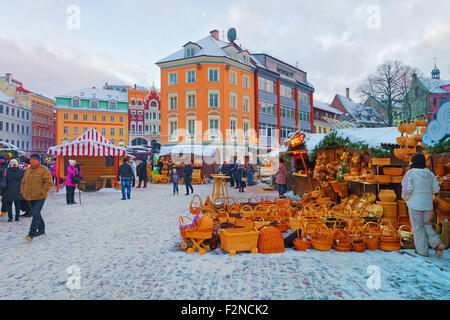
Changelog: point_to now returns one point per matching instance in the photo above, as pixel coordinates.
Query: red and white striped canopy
(91, 143)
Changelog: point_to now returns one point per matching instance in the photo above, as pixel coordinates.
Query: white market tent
(187, 149)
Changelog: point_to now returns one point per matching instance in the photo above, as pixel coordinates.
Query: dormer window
(94, 104)
(190, 52)
(190, 49)
(112, 105)
(75, 102)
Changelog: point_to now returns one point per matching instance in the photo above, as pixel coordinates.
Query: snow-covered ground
(130, 250)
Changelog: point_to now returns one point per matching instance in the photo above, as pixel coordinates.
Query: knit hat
(14, 163)
(418, 161)
(72, 162)
(35, 156)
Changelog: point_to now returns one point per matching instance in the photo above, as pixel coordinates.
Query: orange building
(207, 94)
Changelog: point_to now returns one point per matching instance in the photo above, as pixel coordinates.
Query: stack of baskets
(389, 204)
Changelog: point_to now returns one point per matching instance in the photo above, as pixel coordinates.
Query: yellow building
(104, 110)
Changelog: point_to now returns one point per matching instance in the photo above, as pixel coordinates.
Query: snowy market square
(200, 156)
(130, 250)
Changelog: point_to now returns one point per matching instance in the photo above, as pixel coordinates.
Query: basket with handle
(371, 234)
(401, 140)
(341, 241)
(406, 237)
(322, 238)
(195, 206)
(402, 126)
(410, 127)
(259, 223)
(421, 120)
(317, 192)
(301, 243)
(411, 141)
(247, 211)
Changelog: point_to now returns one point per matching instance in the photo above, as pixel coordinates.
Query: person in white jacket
(133, 167)
(418, 187)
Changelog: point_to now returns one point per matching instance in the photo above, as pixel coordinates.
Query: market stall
(10, 150)
(204, 159)
(97, 157)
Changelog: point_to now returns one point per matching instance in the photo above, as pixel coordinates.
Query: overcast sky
(338, 43)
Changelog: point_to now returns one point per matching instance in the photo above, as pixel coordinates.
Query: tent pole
(117, 170)
(57, 173)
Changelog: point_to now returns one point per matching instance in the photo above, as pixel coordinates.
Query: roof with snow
(436, 85)
(207, 46)
(326, 107)
(199, 150)
(361, 112)
(100, 94)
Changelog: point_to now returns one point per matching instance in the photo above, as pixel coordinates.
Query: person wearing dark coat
(3, 166)
(12, 193)
(125, 173)
(160, 166)
(187, 174)
(235, 174)
(142, 173)
(230, 175)
(24, 204)
(242, 176)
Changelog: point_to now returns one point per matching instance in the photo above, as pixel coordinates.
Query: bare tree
(388, 84)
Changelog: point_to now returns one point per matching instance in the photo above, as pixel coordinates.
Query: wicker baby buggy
(236, 240)
(197, 234)
(270, 240)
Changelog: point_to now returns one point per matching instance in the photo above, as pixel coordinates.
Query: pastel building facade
(104, 110)
(207, 94)
(41, 107)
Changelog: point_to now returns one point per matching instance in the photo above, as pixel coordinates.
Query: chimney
(214, 34)
(347, 92)
(8, 77)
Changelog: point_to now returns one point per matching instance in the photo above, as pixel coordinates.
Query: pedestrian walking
(160, 166)
(187, 174)
(3, 166)
(169, 167)
(142, 173)
(132, 163)
(418, 187)
(229, 173)
(53, 172)
(125, 173)
(281, 177)
(24, 204)
(11, 195)
(242, 176)
(72, 179)
(175, 180)
(36, 183)
(235, 173)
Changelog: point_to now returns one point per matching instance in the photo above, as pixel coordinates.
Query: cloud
(52, 69)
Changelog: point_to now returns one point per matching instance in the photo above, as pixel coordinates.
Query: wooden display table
(220, 187)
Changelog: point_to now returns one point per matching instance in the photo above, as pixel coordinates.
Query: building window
(173, 129)
(173, 101)
(287, 113)
(233, 126)
(121, 119)
(190, 100)
(94, 104)
(66, 116)
(121, 132)
(246, 128)
(190, 127)
(213, 75)
(173, 78)
(112, 118)
(190, 52)
(94, 117)
(245, 82)
(213, 99)
(233, 78)
(103, 131)
(75, 102)
(103, 118)
(85, 117)
(65, 130)
(286, 92)
(266, 85)
(233, 101)
(267, 108)
(190, 76)
(75, 130)
(112, 105)
(246, 104)
(111, 131)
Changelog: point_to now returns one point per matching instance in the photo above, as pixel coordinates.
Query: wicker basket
(381, 161)
(380, 178)
(392, 171)
(443, 230)
(359, 246)
(389, 211)
(322, 239)
(301, 244)
(402, 209)
(396, 179)
(270, 240)
(235, 240)
(341, 241)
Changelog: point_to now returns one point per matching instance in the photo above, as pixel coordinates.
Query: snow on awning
(373, 137)
(206, 151)
(91, 144)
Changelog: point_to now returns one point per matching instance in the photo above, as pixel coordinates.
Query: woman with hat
(72, 172)
(11, 194)
(418, 187)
